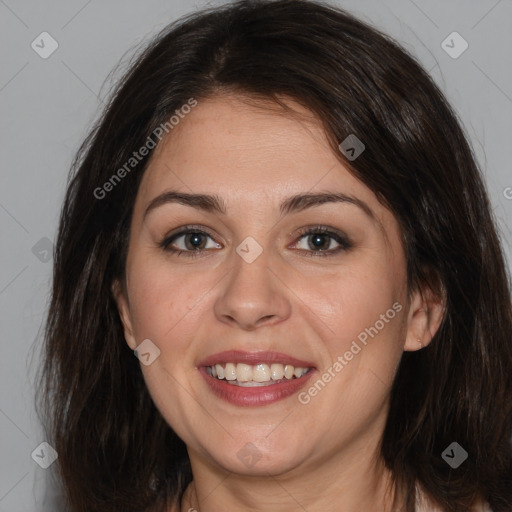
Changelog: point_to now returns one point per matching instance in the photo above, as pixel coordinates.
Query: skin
(324, 455)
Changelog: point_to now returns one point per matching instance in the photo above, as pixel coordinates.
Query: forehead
(253, 155)
(224, 143)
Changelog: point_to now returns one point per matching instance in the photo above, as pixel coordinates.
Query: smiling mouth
(262, 374)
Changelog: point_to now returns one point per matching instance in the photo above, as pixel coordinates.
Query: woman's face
(310, 326)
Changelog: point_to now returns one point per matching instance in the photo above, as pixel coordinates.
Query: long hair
(116, 452)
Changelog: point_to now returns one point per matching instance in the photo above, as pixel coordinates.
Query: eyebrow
(296, 203)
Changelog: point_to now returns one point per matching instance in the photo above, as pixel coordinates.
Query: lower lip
(253, 396)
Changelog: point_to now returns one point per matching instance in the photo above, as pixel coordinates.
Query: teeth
(255, 375)
(261, 373)
(220, 371)
(298, 371)
(243, 372)
(277, 371)
(230, 371)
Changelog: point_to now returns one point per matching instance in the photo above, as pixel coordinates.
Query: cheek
(352, 301)
(166, 304)
(371, 331)
(364, 312)
(156, 298)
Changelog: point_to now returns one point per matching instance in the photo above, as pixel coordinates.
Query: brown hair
(116, 452)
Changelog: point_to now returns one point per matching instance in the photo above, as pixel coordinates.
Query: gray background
(48, 105)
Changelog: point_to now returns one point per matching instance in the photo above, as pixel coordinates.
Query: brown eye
(195, 241)
(320, 241)
(189, 242)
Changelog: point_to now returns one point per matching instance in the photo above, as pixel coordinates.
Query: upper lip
(269, 357)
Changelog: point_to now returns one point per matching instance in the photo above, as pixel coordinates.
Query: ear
(123, 307)
(426, 312)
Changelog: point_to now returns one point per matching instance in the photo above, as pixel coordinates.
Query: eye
(189, 242)
(192, 241)
(319, 241)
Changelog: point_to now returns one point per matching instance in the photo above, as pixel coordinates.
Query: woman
(281, 217)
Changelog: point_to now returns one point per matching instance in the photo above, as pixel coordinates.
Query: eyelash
(344, 243)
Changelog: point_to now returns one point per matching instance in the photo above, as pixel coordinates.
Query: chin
(254, 455)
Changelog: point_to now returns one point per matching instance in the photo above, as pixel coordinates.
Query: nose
(253, 295)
